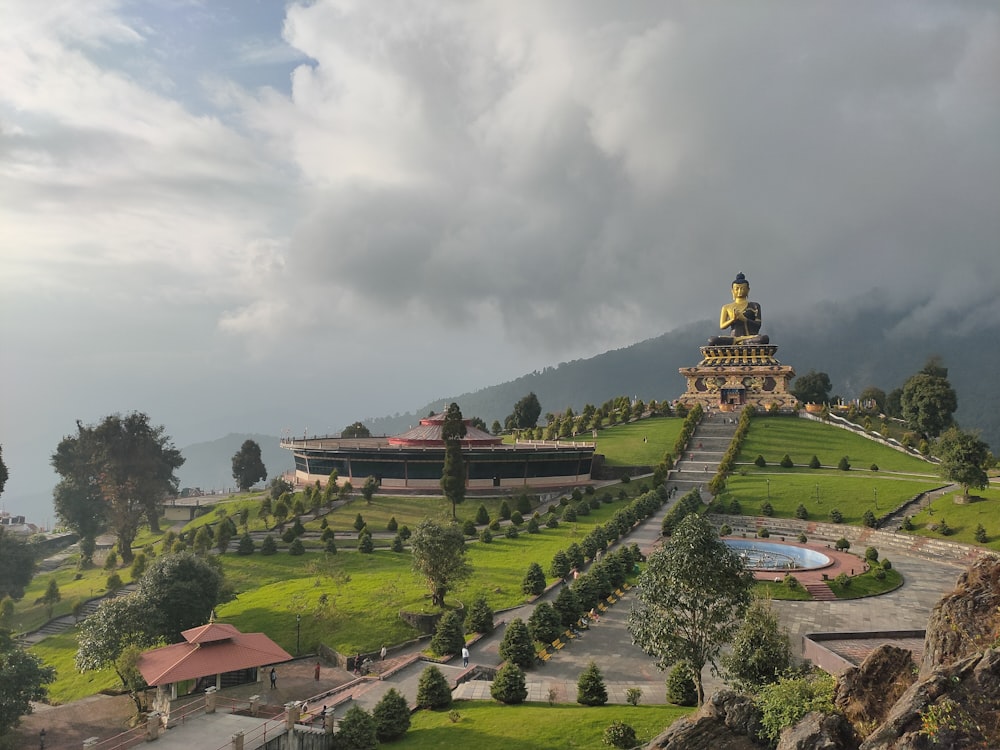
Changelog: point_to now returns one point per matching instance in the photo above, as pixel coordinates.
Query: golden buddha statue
(741, 316)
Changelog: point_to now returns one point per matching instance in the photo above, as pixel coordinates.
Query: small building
(214, 655)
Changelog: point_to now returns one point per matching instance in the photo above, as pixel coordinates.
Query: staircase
(820, 592)
(67, 622)
(698, 464)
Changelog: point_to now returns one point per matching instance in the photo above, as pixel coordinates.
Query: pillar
(211, 699)
(291, 715)
(237, 741)
(152, 726)
(254, 705)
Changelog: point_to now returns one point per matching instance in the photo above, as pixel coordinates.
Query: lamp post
(875, 490)
(768, 487)
(817, 493)
(298, 632)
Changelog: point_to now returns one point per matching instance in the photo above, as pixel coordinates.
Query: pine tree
(392, 716)
(590, 690)
(516, 646)
(357, 730)
(480, 617)
(246, 545)
(509, 685)
(432, 689)
(534, 580)
(448, 636)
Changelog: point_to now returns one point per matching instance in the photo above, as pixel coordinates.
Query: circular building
(415, 459)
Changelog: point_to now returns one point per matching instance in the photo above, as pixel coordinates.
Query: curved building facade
(415, 459)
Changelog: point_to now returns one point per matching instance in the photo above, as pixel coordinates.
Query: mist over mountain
(858, 345)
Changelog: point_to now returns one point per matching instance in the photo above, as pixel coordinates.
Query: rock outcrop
(727, 721)
(867, 693)
(967, 620)
(819, 731)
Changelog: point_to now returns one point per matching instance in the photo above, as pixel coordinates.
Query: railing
(269, 729)
(128, 739)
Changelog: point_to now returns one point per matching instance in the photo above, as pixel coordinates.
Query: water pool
(759, 555)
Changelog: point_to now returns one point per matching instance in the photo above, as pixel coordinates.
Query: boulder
(957, 705)
(866, 693)
(965, 621)
(819, 731)
(727, 721)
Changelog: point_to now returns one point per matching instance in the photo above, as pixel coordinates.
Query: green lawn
(59, 651)
(801, 439)
(492, 726)
(898, 479)
(867, 584)
(963, 518)
(641, 443)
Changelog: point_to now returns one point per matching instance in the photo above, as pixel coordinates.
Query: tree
(278, 487)
(526, 412)
(567, 604)
(681, 690)
(355, 430)
(17, 564)
(534, 580)
(964, 458)
(928, 402)
(248, 468)
(480, 617)
(432, 689)
(453, 474)
(760, 651)
(496, 428)
(692, 595)
(448, 636)
(516, 646)
(81, 508)
(439, 556)
(179, 592)
(812, 388)
(509, 685)
(117, 624)
(544, 624)
(125, 462)
(590, 689)
(3, 471)
(357, 730)
(392, 716)
(24, 679)
(368, 489)
(51, 597)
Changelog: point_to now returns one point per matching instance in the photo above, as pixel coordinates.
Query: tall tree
(929, 402)
(24, 679)
(248, 468)
(812, 388)
(526, 412)
(453, 474)
(3, 471)
(964, 459)
(875, 395)
(439, 556)
(692, 595)
(17, 564)
(126, 462)
(368, 488)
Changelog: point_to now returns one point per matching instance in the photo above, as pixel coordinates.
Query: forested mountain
(856, 347)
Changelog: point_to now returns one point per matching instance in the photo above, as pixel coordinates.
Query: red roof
(428, 433)
(210, 649)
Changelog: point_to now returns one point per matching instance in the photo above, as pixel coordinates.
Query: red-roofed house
(214, 654)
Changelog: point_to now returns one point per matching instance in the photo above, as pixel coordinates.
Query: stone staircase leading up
(820, 592)
(708, 444)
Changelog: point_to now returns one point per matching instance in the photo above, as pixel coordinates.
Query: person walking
(316, 672)
(383, 652)
(465, 656)
(274, 678)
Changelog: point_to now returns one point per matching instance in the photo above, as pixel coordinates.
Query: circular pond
(759, 555)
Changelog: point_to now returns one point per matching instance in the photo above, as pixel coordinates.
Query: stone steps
(820, 592)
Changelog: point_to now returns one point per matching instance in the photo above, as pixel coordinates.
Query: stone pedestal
(732, 376)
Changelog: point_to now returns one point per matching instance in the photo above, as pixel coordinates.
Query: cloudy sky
(247, 215)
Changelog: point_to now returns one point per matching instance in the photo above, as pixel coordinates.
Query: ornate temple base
(732, 376)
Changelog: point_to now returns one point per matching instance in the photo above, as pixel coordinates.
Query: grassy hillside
(963, 518)
(899, 478)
